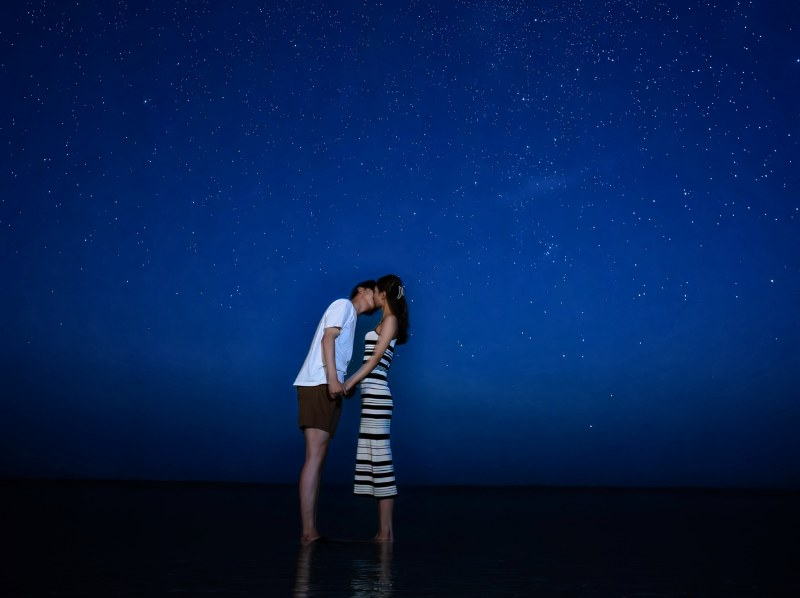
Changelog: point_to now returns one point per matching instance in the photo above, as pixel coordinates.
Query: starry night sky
(593, 204)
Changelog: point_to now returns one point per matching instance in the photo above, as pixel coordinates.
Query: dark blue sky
(594, 206)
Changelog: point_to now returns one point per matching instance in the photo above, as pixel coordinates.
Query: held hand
(335, 389)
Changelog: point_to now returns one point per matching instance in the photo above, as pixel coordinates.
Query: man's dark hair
(367, 284)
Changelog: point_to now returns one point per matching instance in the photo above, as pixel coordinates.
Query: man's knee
(317, 437)
(317, 441)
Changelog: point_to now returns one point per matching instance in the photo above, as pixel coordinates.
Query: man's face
(369, 296)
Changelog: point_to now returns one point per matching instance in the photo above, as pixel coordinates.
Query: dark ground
(158, 539)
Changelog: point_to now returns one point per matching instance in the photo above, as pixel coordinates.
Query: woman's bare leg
(385, 511)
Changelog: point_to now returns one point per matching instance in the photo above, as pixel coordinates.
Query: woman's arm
(387, 333)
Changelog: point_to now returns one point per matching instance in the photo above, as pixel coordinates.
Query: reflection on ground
(367, 564)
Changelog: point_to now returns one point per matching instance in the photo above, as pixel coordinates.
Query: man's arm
(335, 387)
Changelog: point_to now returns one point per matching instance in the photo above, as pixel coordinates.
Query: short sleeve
(336, 314)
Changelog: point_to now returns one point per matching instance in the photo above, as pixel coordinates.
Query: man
(319, 393)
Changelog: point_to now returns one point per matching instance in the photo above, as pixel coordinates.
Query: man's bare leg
(310, 476)
(385, 510)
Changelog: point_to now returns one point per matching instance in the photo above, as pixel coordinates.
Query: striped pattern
(374, 468)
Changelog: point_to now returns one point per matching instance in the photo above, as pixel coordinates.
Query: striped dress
(374, 469)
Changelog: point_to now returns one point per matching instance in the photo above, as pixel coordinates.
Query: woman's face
(380, 298)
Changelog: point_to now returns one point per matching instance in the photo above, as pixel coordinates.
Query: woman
(374, 469)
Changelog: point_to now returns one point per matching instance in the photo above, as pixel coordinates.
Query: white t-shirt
(340, 314)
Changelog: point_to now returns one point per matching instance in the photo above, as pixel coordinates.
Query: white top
(340, 314)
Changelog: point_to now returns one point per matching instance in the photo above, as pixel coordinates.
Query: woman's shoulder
(390, 321)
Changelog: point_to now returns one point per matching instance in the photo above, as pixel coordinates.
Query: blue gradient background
(594, 206)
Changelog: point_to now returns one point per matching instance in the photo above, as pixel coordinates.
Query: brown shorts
(317, 410)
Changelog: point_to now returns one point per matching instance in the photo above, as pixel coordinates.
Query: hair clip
(400, 291)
